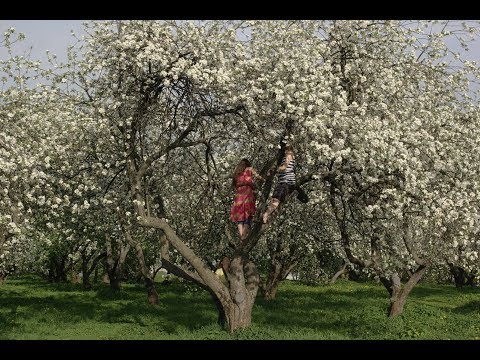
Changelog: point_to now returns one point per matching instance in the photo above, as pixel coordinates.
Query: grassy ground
(31, 308)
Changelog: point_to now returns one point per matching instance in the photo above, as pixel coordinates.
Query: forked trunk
(236, 298)
(274, 277)
(115, 266)
(271, 289)
(278, 272)
(243, 286)
(399, 293)
(151, 292)
(152, 295)
(87, 270)
(460, 276)
(340, 272)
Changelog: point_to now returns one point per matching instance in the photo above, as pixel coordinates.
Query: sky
(52, 35)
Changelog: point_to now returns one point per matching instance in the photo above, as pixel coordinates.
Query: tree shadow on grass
(167, 317)
(40, 283)
(427, 290)
(73, 306)
(177, 308)
(7, 323)
(320, 311)
(470, 307)
(105, 293)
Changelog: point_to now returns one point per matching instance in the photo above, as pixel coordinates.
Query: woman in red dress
(243, 208)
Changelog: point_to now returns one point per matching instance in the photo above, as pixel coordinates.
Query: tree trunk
(152, 294)
(114, 278)
(86, 282)
(95, 275)
(243, 281)
(85, 273)
(115, 282)
(397, 296)
(280, 267)
(340, 272)
(460, 276)
(236, 298)
(397, 304)
(399, 293)
(57, 272)
(114, 267)
(238, 316)
(274, 278)
(271, 290)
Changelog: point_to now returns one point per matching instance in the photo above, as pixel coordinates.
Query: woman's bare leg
(240, 230)
(246, 230)
(273, 206)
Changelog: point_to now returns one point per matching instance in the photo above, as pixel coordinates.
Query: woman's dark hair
(242, 165)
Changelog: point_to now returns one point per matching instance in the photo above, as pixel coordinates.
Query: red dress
(244, 201)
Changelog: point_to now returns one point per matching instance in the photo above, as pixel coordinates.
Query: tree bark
(339, 273)
(399, 293)
(271, 289)
(235, 304)
(57, 270)
(85, 275)
(164, 247)
(460, 276)
(152, 295)
(238, 316)
(87, 271)
(95, 275)
(114, 267)
(243, 279)
(273, 281)
(86, 283)
(277, 273)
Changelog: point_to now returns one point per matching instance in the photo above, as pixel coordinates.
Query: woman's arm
(256, 175)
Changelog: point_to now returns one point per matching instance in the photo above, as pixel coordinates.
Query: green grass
(31, 308)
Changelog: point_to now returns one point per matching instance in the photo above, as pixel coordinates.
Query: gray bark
(115, 265)
(339, 273)
(152, 295)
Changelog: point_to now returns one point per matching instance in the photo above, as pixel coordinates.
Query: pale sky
(52, 35)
